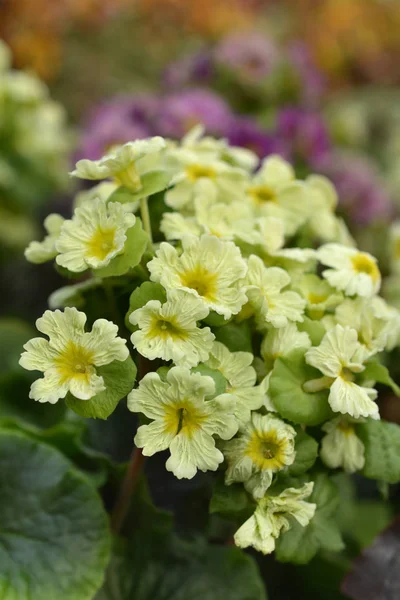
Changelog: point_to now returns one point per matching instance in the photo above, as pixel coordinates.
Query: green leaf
(190, 569)
(216, 320)
(306, 454)
(286, 391)
(151, 563)
(219, 379)
(135, 246)
(67, 437)
(374, 370)
(235, 337)
(54, 537)
(141, 295)
(300, 544)
(382, 450)
(315, 330)
(152, 182)
(231, 501)
(122, 195)
(119, 378)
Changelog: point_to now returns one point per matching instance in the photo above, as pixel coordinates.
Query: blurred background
(317, 81)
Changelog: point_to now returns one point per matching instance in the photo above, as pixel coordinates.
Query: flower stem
(129, 483)
(144, 211)
(133, 471)
(317, 385)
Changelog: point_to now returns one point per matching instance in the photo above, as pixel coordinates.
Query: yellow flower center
(266, 451)
(262, 194)
(201, 280)
(195, 172)
(317, 298)
(129, 178)
(167, 329)
(183, 418)
(362, 263)
(102, 243)
(346, 427)
(75, 361)
(346, 374)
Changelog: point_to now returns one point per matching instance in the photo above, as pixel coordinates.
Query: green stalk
(144, 211)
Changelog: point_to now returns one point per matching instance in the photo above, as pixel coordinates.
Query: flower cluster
(249, 309)
(34, 150)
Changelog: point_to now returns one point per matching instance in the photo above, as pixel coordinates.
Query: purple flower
(246, 133)
(361, 190)
(190, 70)
(181, 111)
(117, 122)
(251, 56)
(304, 134)
(311, 82)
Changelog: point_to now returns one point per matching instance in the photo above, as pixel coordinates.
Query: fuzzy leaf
(189, 570)
(54, 537)
(315, 330)
(374, 370)
(300, 544)
(306, 454)
(231, 501)
(287, 394)
(235, 337)
(382, 450)
(152, 182)
(119, 378)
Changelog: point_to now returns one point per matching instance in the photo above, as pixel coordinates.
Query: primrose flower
(169, 331)
(70, 357)
(265, 445)
(241, 379)
(275, 192)
(280, 342)
(183, 420)
(341, 447)
(352, 271)
(125, 164)
(227, 181)
(225, 221)
(40, 252)
(319, 295)
(95, 234)
(207, 146)
(373, 320)
(208, 268)
(264, 290)
(192, 170)
(338, 358)
(323, 200)
(271, 518)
